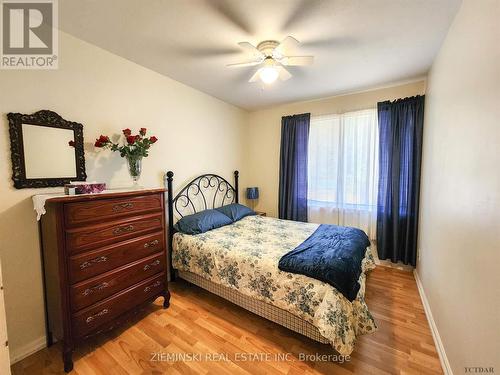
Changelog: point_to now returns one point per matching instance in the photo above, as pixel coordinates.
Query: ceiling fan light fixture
(272, 58)
(268, 74)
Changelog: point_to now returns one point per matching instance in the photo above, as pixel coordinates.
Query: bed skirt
(265, 310)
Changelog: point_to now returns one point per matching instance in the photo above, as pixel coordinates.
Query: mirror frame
(48, 119)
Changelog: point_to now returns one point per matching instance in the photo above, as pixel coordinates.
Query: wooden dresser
(104, 260)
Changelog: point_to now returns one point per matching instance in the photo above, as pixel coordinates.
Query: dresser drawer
(95, 316)
(88, 292)
(86, 265)
(105, 209)
(80, 239)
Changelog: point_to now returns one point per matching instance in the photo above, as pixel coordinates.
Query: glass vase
(135, 168)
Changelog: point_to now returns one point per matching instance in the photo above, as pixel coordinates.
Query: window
(342, 170)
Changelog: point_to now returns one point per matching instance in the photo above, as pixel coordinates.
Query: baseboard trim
(27, 350)
(388, 263)
(445, 364)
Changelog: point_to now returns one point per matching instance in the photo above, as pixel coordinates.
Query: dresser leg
(166, 300)
(68, 361)
(50, 339)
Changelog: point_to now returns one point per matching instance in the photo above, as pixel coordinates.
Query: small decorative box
(85, 188)
(69, 189)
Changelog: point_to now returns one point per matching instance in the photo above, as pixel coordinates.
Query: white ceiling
(357, 44)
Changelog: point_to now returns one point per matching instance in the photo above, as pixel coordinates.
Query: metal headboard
(202, 193)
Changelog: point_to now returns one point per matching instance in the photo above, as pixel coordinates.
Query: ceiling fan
(272, 57)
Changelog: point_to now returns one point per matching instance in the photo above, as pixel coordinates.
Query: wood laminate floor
(217, 337)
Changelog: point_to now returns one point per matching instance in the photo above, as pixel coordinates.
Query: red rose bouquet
(134, 148)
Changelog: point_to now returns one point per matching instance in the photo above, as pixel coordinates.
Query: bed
(239, 262)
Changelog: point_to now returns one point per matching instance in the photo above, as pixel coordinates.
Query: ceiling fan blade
(297, 60)
(239, 65)
(284, 74)
(229, 11)
(255, 77)
(333, 42)
(250, 48)
(303, 12)
(286, 44)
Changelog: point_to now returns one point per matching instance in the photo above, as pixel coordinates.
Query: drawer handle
(99, 314)
(152, 243)
(119, 230)
(154, 285)
(96, 288)
(122, 206)
(151, 265)
(89, 263)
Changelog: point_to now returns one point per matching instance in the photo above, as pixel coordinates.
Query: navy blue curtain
(293, 167)
(400, 152)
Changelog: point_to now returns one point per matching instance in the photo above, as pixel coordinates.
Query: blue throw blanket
(332, 254)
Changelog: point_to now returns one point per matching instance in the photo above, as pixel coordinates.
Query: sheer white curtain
(343, 170)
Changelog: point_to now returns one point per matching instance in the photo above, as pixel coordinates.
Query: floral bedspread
(245, 255)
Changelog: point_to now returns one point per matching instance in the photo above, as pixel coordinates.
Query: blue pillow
(236, 211)
(202, 222)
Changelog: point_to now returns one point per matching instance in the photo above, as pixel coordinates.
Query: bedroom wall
(264, 133)
(460, 196)
(197, 133)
